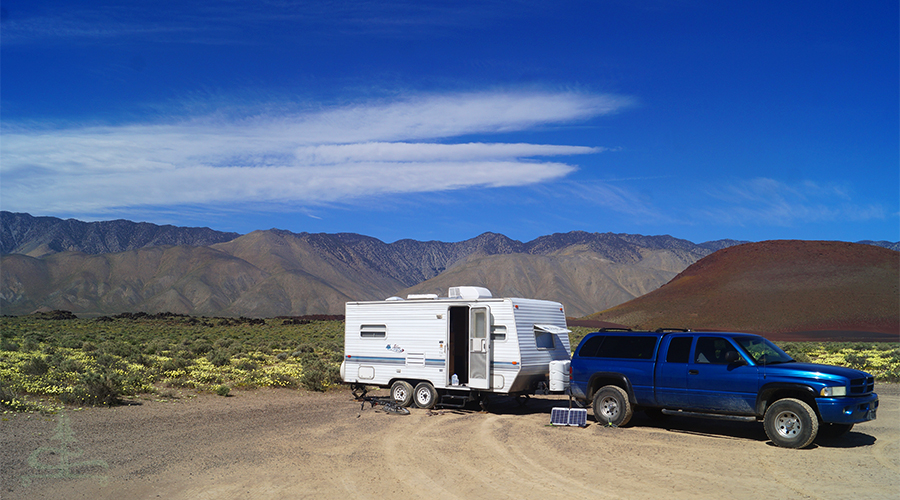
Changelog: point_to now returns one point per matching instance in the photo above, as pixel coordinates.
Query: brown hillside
(777, 286)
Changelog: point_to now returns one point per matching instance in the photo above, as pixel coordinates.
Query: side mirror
(734, 357)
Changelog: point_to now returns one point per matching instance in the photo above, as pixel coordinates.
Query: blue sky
(443, 120)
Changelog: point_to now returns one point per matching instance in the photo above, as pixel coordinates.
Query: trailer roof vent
(469, 292)
(421, 296)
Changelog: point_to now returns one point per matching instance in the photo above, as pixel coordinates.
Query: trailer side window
(498, 333)
(373, 331)
(542, 338)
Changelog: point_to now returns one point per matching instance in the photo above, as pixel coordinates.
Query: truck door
(479, 348)
(672, 371)
(714, 382)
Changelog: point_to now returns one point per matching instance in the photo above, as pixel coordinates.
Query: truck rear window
(619, 346)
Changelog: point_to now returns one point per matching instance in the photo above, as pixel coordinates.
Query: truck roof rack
(665, 330)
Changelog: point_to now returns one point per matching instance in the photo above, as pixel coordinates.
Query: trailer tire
(425, 396)
(611, 406)
(402, 393)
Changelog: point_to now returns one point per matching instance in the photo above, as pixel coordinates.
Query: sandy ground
(294, 444)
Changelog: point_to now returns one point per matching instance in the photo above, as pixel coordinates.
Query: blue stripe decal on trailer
(377, 359)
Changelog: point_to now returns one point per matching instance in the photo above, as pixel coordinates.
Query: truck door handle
(693, 372)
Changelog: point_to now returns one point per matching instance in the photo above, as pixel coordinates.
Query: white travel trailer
(450, 350)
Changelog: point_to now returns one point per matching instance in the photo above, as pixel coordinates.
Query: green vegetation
(50, 359)
(881, 359)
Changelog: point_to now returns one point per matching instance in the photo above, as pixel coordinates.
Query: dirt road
(292, 444)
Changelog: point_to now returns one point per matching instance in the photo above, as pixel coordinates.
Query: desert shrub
(176, 363)
(281, 356)
(219, 357)
(223, 390)
(303, 348)
(35, 366)
(8, 345)
(319, 376)
(247, 365)
(70, 365)
(106, 360)
(95, 388)
(201, 348)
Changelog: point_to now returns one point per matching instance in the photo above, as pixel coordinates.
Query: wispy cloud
(314, 157)
(765, 201)
(218, 21)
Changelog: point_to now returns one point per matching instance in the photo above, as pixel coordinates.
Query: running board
(716, 416)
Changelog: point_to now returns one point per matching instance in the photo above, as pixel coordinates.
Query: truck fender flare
(764, 397)
(610, 378)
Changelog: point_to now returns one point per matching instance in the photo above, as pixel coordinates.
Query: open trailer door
(479, 348)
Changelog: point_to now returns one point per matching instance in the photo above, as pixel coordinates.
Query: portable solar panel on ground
(569, 416)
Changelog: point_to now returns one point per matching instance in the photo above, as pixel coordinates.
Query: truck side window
(712, 350)
(591, 346)
(619, 347)
(679, 350)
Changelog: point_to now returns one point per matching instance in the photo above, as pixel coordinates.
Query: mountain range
(95, 268)
(123, 266)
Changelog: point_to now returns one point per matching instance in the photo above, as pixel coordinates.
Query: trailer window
(542, 338)
(373, 331)
(498, 333)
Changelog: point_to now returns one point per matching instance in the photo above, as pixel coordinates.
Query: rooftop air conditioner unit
(469, 293)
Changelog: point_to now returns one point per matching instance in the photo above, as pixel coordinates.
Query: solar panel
(568, 416)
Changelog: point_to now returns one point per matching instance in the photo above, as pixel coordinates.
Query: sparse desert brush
(882, 360)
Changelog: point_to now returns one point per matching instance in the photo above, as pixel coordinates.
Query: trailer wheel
(425, 396)
(611, 406)
(402, 393)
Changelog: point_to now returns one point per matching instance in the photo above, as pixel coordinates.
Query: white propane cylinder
(559, 375)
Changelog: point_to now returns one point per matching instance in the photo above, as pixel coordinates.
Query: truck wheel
(425, 395)
(791, 423)
(834, 430)
(402, 393)
(611, 406)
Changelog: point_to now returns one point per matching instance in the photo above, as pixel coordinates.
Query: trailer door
(479, 348)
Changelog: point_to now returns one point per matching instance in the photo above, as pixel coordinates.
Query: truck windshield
(763, 351)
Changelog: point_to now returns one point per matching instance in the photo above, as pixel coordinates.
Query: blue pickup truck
(730, 375)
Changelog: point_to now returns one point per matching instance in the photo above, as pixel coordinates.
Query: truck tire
(425, 396)
(402, 393)
(791, 423)
(611, 406)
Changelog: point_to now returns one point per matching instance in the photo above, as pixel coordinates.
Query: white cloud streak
(318, 157)
(764, 201)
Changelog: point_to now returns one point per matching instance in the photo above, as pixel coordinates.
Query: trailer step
(453, 401)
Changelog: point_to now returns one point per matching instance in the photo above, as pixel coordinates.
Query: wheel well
(769, 397)
(600, 380)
